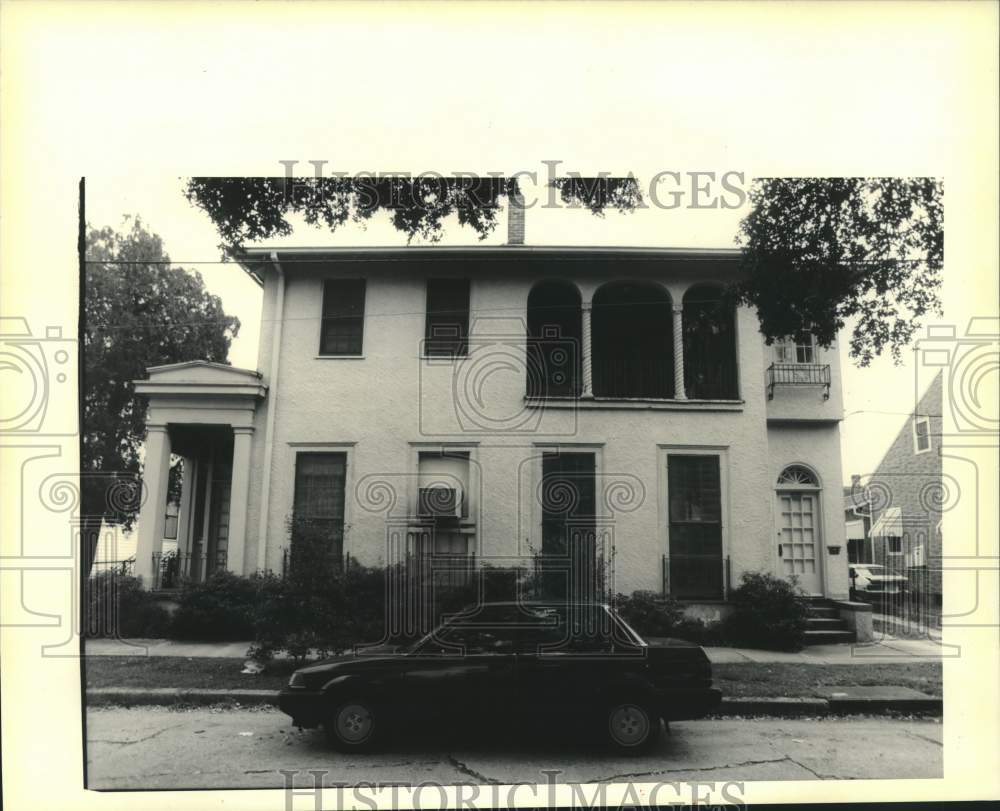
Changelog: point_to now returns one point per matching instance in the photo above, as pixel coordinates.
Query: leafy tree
(821, 251)
(245, 209)
(139, 312)
(818, 252)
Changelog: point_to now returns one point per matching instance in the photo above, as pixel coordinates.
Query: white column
(240, 493)
(586, 355)
(185, 521)
(678, 313)
(155, 474)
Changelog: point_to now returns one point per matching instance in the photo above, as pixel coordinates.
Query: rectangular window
(318, 509)
(895, 545)
(446, 333)
(800, 348)
(343, 326)
(694, 495)
(921, 434)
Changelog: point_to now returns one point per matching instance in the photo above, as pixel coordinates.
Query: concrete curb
(773, 707)
(776, 707)
(168, 696)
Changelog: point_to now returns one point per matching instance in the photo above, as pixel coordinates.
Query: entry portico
(204, 413)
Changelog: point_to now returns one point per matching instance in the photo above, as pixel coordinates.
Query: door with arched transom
(798, 522)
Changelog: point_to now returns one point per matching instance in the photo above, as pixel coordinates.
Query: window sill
(340, 357)
(634, 403)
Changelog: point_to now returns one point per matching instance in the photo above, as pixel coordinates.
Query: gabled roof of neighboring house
(253, 260)
(929, 405)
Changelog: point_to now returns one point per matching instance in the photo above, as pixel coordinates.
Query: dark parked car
(506, 662)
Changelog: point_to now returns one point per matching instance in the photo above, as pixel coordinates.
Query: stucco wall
(817, 447)
(383, 408)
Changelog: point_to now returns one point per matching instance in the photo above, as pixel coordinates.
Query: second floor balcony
(631, 341)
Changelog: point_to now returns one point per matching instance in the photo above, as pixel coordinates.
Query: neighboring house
(483, 405)
(905, 494)
(858, 522)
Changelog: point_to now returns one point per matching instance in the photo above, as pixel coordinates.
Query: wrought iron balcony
(798, 374)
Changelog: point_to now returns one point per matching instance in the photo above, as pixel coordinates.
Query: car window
(476, 638)
(566, 630)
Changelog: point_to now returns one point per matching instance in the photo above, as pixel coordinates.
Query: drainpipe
(272, 407)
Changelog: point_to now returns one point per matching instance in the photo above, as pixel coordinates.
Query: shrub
(116, 605)
(696, 630)
(650, 613)
(767, 613)
(222, 608)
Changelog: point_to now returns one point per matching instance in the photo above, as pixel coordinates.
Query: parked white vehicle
(875, 580)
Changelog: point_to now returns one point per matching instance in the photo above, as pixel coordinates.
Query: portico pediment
(201, 392)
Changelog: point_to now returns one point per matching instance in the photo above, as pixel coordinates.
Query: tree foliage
(819, 252)
(139, 312)
(600, 193)
(247, 209)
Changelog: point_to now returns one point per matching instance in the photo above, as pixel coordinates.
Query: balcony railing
(696, 577)
(633, 377)
(171, 569)
(798, 374)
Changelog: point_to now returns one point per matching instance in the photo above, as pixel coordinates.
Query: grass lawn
(178, 671)
(743, 679)
(795, 680)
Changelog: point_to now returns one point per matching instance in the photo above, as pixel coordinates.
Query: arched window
(632, 337)
(555, 340)
(709, 345)
(798, 477)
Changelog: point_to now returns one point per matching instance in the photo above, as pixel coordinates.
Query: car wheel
(632, 727)
(355, 725)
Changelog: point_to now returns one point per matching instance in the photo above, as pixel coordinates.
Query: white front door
(798, 539)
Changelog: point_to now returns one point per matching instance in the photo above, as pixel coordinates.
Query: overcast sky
(876, 399)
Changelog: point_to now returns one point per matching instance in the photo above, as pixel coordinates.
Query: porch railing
(696, 577)
(171, 569)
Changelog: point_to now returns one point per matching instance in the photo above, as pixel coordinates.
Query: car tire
(355, 725)
(631, 726)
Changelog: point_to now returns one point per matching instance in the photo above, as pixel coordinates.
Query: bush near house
(222, 608)
(116, 605)
(649, 613)
(767, 612)
(321, 606)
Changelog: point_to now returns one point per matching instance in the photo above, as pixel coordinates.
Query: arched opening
(555, 340)
(632, 336)
(709, 345)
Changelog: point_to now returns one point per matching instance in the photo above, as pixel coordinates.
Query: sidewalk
(887, 650)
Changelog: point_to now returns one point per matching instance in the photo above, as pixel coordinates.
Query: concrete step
(828, 637)
(826, 624)
(824, 612)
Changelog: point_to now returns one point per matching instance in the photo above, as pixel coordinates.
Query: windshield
(630, 629)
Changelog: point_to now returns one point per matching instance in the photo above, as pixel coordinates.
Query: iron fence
(696, 577)
(172, 569)
(121, 567)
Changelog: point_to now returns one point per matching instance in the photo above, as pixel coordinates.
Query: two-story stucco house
(484, 405)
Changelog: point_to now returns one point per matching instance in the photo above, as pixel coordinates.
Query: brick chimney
(515, 218)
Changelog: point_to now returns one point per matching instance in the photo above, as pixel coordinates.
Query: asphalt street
(160, 747)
